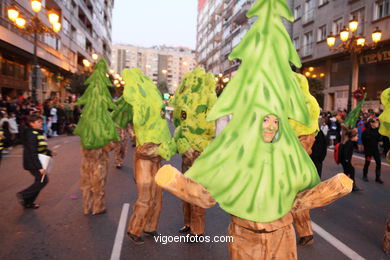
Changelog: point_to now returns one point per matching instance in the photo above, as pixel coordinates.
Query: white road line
(343, 248)
(361, 158)
(116, 250)
(57, 146)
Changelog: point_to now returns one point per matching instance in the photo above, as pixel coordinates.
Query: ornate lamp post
(354, 45)
(35, 27)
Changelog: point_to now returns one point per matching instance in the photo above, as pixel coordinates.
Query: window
(337, 26)
(296, 43)
(309, 11)
(381, 9)
(321, 33)
(359, 15)
(297, 12)
(308, 43)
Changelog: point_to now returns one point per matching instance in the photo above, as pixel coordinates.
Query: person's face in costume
(270, 128)
(37, 124)
(375, 123)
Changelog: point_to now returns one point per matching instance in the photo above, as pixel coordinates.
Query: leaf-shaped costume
(123, 114)
(353, 116)
(384, 118)
(146, 101)
(248, 177)
(96, 130)
(195, 97)
(95, 127)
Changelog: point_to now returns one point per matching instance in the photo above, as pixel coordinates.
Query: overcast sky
(155, 22)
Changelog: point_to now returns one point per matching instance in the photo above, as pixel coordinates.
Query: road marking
(362, 158)
(57, 146)
(116, 250)
(343, 248)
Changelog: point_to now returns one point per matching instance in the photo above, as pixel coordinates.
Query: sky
(154, 22)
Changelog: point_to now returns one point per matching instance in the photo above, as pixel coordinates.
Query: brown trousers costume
(193, 215)
(146, 211)
(93, 177)
(120, 147)
(253, 240)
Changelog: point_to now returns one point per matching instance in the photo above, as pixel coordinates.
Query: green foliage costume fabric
(123, 115)
(147, 104)
(384, 118)
(353, 116)
(96, 128)
(312, 106)
(195, 96)
(248, 177)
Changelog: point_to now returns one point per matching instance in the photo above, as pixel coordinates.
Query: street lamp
(221, 82)
(353, 45)
(35, 27)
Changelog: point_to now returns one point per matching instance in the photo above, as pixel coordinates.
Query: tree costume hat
(146, 101)
(96, 128)
(193, 99)
(384, 118)
(248, 177)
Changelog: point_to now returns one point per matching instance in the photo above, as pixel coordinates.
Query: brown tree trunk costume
(93, 177)
(386, 239)
(121, 147)
(193, 215)
(146, 211)
(254, 240)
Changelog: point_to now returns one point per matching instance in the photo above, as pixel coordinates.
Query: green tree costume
(193, 99)
(195, 96)
(249, 178)
(123, 118)
(154, 142)
(96, 127)
(96, 130)
(353, 116)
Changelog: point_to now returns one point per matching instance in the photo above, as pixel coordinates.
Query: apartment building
(164, 65)
(315, 20)
(85, 29)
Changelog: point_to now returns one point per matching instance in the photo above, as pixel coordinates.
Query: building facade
(315, 20)
(163, 65)
(85, 29)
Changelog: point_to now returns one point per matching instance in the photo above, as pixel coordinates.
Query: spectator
(13, 128)
(371, 138)
(345, 156)
(54, 120)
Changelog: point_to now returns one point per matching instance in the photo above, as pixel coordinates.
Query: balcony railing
(308, 16)
(307, 49)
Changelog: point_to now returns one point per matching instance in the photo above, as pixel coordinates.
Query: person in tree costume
(123, 117)
(384, 130)
(96, 130)
(193, 99)
(256, 169)
(154, 143)
(306, 135)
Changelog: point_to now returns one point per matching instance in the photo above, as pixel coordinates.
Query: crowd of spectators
(59, 118)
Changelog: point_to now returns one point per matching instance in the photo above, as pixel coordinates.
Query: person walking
(34, 143)
(319, 151)
(371, 138)
(345, 156)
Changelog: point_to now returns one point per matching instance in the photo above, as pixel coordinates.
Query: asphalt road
(59, 230)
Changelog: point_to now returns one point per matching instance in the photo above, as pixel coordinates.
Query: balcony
(308, 16)
(307, 49)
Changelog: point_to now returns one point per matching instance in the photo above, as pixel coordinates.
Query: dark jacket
(370, 139)
(319, 148)
(32, 147)
(346, 152)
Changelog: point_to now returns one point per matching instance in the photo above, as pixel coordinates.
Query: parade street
(350, 228)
